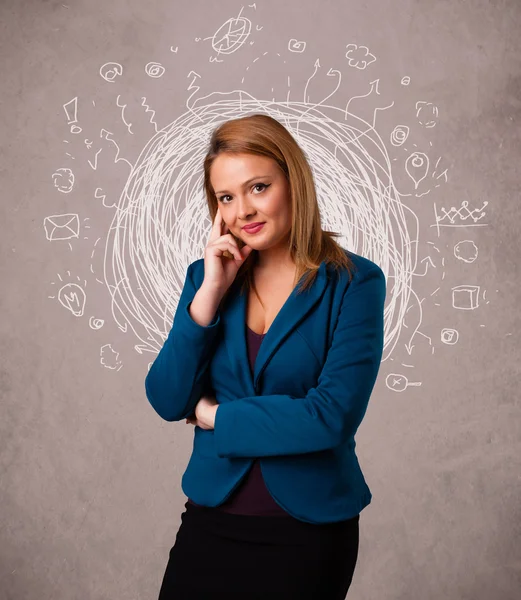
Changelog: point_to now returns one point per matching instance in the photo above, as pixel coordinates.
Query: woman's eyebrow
(246, 182)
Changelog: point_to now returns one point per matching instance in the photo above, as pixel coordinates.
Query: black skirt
(224, 555)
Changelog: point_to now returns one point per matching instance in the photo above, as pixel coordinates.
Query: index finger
(216, 231)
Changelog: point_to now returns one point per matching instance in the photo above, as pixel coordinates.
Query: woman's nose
(244, 208)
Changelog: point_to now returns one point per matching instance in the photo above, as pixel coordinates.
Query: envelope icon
(61, 227)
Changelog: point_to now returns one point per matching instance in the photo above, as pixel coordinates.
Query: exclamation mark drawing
(71, 110)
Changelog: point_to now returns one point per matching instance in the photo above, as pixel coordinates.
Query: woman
(276, 379)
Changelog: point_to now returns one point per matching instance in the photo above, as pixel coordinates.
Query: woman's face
(251, 189)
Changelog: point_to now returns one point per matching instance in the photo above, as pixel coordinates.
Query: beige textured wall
(90, 476)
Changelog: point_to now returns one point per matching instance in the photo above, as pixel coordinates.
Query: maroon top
(251, 496)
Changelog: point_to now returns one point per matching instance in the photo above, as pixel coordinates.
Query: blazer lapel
(294, 310)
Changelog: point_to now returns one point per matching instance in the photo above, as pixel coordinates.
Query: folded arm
(332, 411)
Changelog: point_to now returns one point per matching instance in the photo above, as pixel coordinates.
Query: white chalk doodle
(312, 106)
(417, 167)
(159, 219)
(71, 110)
(95, 165)
(161, 211)
(437, 175)
(109, 71)
(109, 358)
(247, 67)
(399, 135)
(95, 323)
(195, 76)
(63, 180)
(61, 227)
(154, 70)
(232, 35)
(147, 109)
(106, 134)
(399, 383)
(100, 196)
(71, 295)
(296, 46)
(92, 262)
(373, 91)
(123, 106)
(417, 305)
(466, 250)
(449, 336)
(140, 348)
(359, 56)
(73, 298)
(427, 113)
(465, 297)
(459, 217)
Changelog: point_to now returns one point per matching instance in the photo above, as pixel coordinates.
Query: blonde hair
(309, 245)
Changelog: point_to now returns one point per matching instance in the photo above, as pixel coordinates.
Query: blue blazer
(313, 376)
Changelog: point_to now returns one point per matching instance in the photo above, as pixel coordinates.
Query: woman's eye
(262, 185)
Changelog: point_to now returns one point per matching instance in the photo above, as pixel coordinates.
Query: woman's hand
(205, 411)
(222, 257)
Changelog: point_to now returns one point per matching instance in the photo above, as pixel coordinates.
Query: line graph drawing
(459, 217)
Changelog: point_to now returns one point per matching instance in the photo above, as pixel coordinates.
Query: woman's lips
(254, 229)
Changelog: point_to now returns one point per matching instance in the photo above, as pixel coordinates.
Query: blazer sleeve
(332, 411)
(179, 375)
